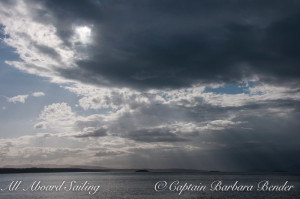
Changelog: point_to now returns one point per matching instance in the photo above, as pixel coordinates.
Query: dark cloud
(271, 144)
(9, 2)
(155, 44)
(154, 135)
(108, 153)
(263, 140)
(48, 51)
(101, 132)
(39, 126)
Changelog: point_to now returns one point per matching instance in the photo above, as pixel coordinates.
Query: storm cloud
(171, 44)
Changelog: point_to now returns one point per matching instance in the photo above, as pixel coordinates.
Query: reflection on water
(142, 185)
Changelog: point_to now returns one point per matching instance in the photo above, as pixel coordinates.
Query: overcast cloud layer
(160, 84)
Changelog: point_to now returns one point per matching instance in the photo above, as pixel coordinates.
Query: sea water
(131, 185)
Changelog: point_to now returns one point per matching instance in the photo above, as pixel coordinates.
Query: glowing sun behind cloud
(83, 34)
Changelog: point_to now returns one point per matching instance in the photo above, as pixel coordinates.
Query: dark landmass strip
(55, 170)
(47, 170)
(173, 170)
(142, 170)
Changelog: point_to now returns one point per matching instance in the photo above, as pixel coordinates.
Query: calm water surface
(142, 185)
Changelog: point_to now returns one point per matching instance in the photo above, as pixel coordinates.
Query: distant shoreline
(78, 170)
(46, 170)
(68, 170)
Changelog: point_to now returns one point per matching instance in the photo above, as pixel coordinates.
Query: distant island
(142, 170)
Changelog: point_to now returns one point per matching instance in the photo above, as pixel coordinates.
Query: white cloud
(38, 94)
(93, 97)
(57, 112)
(57, 118)
(37, 44)
(18, 98)
(23, 98)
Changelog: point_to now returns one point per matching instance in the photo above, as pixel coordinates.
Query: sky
(210, 85)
